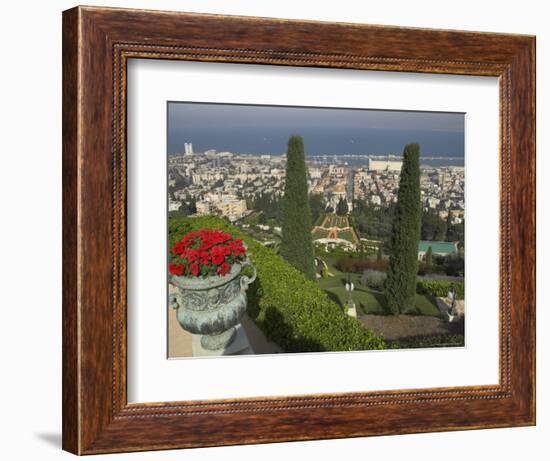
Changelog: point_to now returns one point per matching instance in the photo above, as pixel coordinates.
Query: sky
(253, 129)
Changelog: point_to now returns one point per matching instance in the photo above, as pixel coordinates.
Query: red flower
(176, 269)
(237, 247)
(208, 249)
(193, 255)
(206, 243)
(188, 240)
(220, 237)
(195, 270)
(217, 259)
(219, 253)
(223, 269)
(204, 257)
(178, 248)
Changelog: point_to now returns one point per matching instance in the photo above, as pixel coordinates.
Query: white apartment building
(385, 165)
(315, 173)
(173, 206)
(227, 205)
(203, 207)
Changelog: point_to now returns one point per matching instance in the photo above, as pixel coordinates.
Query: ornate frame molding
(97, 43)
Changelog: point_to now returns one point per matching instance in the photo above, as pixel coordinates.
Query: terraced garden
(335, 227)
(368, 300)
(320, 233)
(333, 220)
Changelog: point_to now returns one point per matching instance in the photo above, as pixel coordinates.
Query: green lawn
(320, 234)
(346, 235)
(368, 300)
(333, 220)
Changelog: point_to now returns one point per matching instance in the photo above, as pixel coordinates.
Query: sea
(363, 160)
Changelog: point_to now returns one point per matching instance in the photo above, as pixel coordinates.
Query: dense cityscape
(240, 187)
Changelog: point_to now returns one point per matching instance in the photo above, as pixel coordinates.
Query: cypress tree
(296, 243)
(400, 285)
(342, 207)
(429, 257)
(448, 228)
(379, 253)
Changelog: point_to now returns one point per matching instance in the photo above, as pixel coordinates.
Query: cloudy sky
(265, 129)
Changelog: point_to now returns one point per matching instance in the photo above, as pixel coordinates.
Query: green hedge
(290, 309)
(439, 288)
(428, 341)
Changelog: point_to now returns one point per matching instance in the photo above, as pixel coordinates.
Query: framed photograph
(282, 230)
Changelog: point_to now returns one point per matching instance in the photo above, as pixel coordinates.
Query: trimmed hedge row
(439, 288)
(428, 341)
(290, 309)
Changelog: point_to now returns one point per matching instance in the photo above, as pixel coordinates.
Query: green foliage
(373, 279)
(379, 253)
(333, 220)
(433, 227)
(342, 207)
(270, 206)
(428, 341)
(439, 288)
(367, 300)
(290, 309)
(455, 233)
(429, 255)
(320, 234)
(316, 205)
(367, 294)
(401, 277)
(362, 254)
(349, 264)
(296, 244)
(188, 207)
(454, 265)
(371, 221)
(346, 235)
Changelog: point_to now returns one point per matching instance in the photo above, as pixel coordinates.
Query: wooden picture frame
(97, 43)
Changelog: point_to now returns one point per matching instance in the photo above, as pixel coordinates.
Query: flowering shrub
(291, 310)
(349, 264)
(205, 252)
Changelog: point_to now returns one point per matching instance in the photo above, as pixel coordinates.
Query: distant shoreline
(361, 159)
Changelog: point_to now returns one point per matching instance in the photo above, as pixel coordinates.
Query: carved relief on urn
(212, 306)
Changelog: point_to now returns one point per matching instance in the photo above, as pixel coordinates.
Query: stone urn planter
(212, 306)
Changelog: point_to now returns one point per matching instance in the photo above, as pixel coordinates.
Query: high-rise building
(188, 148)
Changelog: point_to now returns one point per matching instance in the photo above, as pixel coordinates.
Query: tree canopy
(296, 244)
(400, 286)
(342, 207)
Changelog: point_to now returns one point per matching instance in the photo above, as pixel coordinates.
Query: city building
(173, 206)
(203, 207)
(227, 205)
(385, 165)
(188, 148)
(231, 207)
(223, 184)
